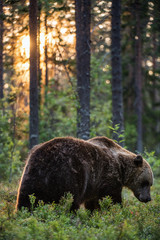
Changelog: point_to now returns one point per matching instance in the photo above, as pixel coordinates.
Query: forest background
(57, 79)
(97, 76)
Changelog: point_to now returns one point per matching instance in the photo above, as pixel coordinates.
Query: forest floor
(135, 220)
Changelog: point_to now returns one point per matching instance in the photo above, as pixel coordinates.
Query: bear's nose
(148, 199)
(145, 199)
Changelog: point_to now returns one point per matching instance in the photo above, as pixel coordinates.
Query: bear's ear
(138, 161)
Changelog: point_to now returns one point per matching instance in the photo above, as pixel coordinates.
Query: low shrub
(134, 220)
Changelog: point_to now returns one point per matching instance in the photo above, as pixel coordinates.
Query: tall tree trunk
(154, 100)
(33, 74)
(83, 18)
(46, 55)
(1, 49)
(117, 94)
(138, 76)
(156, 92)
(38, 52)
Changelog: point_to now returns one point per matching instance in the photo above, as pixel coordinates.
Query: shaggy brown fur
(90, 170)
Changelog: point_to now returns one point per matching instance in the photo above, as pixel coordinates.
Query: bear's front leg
(92, 204)
(117, 198)
(113, 193)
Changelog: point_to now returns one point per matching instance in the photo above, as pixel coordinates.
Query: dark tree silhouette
(33, 74)
(138, 76)
(83, 16)
(1, 49)
(117, 99)
(46, 51)
(39, 70)
(156, 92)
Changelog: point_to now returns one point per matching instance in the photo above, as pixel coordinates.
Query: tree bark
(156, 92)
(117, 94)
(138, 77)
(38, 52)
(1, 50)
(83, 18)
(46, 56)
(33, 74)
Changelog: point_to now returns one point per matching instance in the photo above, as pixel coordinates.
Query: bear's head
(142, 179)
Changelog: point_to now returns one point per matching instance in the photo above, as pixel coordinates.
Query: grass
(134, 220)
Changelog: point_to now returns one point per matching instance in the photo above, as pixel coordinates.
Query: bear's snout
(145, 199)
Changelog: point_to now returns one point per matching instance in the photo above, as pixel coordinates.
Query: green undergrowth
(134, 220)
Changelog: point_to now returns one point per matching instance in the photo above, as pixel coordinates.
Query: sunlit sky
(50, 38)
(26, 44)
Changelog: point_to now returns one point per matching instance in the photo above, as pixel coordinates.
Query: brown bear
(89, 170)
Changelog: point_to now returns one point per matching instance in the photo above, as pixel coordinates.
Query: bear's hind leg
(92, 205)
(75, 206)
(23, 201)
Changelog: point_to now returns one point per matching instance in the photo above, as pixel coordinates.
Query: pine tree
(117, 98)
(138, 76)
(83, 16)
(33, 137)
(1, 49)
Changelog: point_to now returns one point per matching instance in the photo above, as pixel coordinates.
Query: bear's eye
(145, 184)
